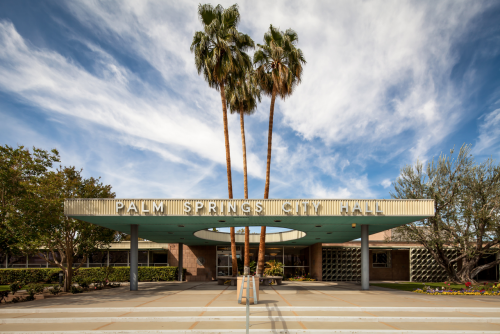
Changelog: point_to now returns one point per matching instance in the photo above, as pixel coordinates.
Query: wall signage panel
(219, 207)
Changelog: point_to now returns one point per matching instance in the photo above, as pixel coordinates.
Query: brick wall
(195, 271)
(399, 271)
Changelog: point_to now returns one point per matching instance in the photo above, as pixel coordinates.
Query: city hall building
(331, 240)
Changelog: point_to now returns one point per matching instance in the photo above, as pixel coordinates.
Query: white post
(365, 259)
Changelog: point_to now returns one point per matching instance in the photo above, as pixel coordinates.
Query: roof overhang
(177, 220)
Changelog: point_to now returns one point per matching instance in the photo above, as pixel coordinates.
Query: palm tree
(279, 69)
(242, 97)
(219, 50)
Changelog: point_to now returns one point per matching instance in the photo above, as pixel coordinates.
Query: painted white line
(261, 331)
(242, 318)
(253, 308)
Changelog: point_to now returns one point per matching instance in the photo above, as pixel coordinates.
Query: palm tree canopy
(279, 62)
(243, 93)
(220, 49)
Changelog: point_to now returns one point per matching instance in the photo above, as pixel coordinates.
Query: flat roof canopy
(177, 220)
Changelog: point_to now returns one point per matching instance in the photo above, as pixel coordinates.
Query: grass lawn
(6, 287)
(411, 286)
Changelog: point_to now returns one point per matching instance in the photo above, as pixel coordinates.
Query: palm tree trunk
(234, 261)
(262, 245)
(246, 264)
(226, 138)
(269, 144)
(229, 179)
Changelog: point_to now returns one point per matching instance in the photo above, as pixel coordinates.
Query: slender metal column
(134, 257)
(181, 262)
(365, 259)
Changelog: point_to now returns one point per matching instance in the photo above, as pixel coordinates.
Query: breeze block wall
(423, 267)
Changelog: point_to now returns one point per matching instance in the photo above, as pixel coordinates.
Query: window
(381, 259)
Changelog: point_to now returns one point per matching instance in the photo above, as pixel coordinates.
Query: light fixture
(222, 221)
(353, 225)
(273, 254)
(317, 226)
(328, 232)
(277, 221)
(180, 225)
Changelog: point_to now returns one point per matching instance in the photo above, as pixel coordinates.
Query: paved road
(173, 307)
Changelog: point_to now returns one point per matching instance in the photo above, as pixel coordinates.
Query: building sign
(208, 207)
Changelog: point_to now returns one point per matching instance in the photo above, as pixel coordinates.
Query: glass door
(224, 265)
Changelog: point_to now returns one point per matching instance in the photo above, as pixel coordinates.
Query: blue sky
(112, 85)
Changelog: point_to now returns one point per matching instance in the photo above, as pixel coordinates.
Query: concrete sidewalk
(294, 307)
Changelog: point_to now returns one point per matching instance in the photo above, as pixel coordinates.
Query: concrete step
(289, 320)
(253, 308)
(258, 331)
(324, 319)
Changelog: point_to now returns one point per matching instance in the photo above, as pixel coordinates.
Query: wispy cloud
(376, 88)
(489, 132)
(155, 121)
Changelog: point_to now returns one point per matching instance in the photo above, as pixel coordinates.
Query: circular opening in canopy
(254, 237)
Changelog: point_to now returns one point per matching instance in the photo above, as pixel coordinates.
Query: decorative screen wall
(423, 267)
(342, 264)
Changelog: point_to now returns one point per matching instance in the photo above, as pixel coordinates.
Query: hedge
(122, 274)
(118, 274)
(8, 276)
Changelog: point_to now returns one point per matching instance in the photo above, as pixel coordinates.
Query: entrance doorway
(224, 265)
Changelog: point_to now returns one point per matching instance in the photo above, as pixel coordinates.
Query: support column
(134, 256)
(181, 262)
(365, 259)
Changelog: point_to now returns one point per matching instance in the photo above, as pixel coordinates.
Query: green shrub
(8, 276)
(55, 289)
(16, 286)
(99, 274)
(34, 289)
(122, 274)
(76, 289)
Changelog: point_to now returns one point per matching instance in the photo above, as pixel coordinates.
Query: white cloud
(386, 183)
(157, 121)
(489, 132)
(375, 70)
(376, 86)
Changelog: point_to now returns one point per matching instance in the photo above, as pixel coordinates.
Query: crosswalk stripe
(349, 319)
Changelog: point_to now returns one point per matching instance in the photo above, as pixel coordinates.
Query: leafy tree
(467, 211)
(20, 173)
(279, 70)
(243, 96)
(69, 241)
(219, 52)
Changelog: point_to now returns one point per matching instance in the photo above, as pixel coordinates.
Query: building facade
(389, 261)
